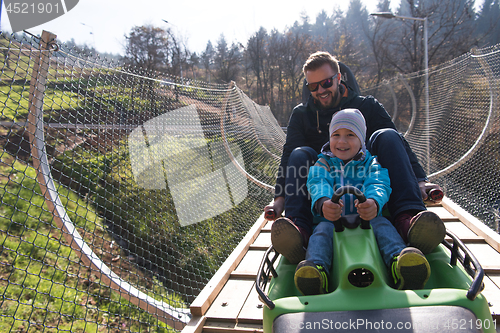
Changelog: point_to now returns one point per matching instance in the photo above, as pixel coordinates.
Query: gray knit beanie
(351, 119)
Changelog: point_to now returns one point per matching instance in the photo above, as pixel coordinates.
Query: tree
(179, 55)
(488, 27)
(378, 34)
(324, 31)
(275, 71)
(352, 49)
(399, 45)
(193, 62)
(450, 33)
(207, 59)
(374, 48)
(295, 48)
(226, 60)
(147, 47)
(258, 54)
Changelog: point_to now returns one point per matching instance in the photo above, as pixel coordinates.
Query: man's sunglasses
(326, 83)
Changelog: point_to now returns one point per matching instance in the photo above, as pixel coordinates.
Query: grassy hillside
(42, 283)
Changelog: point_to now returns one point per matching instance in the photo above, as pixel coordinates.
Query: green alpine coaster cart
(361, 297)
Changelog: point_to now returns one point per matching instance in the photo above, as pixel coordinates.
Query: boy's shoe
(410, 270)
(287, 240)
(426, 231)
(310, 279)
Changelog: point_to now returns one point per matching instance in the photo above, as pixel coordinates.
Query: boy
(345, 161)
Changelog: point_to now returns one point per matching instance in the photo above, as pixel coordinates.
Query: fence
(124, 191)
(142, 176)
(459, 140)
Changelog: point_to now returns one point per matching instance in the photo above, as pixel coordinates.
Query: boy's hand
(367, 210)
(332, 211)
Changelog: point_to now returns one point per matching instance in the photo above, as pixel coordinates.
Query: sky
(104, 24)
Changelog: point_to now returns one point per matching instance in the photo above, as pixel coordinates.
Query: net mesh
(151, 170)
(457, 140)
(124, 191)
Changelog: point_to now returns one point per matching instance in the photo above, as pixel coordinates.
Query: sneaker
(287, 240)
(410, 270)
(426, 231)
(310, 279)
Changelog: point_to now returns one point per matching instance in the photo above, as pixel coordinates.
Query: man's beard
(334, 102)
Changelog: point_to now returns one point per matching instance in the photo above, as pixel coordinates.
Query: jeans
(297, 199)
(320, 249)
(390, 150)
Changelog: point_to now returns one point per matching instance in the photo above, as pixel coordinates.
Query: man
(308, 131)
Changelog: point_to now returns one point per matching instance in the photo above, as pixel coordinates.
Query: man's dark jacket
(304, 130)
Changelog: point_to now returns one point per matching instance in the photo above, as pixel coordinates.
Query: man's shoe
(410, 270)
(287, 240)
(310, 279)
(426, 231)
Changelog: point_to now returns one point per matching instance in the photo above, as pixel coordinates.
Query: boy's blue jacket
(364, 172)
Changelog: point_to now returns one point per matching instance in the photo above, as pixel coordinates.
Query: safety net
(453, 127)
(123, 191)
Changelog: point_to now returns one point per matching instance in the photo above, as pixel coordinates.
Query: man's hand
(331, 210)
(425, 187)
(367, 210)
(273, 211)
